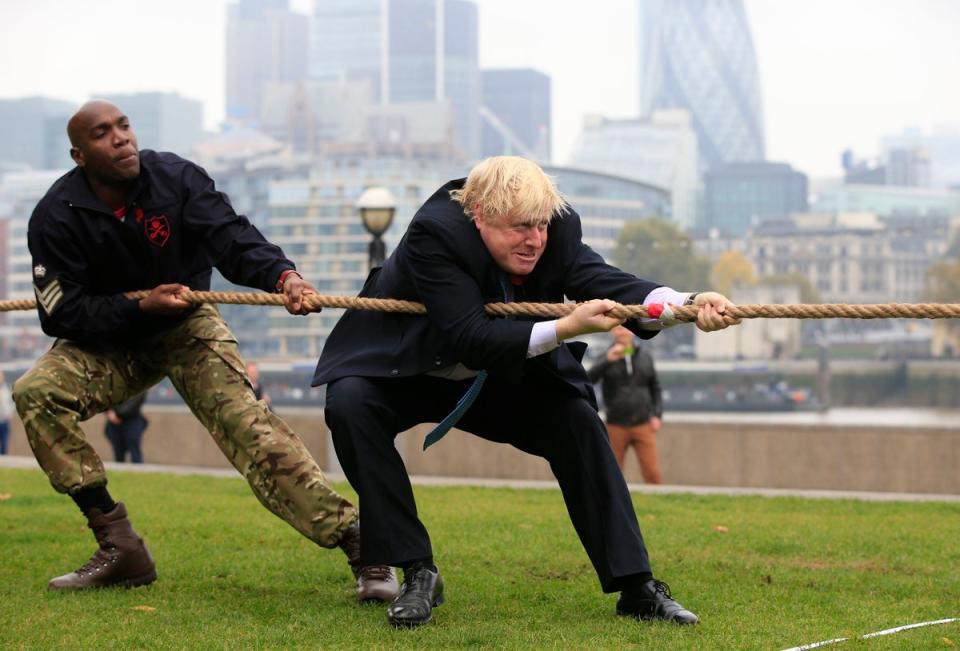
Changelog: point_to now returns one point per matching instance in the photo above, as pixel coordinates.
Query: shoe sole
(413, 623)
(135, 582)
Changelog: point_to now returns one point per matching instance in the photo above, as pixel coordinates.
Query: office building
(516, 113)
(660, 150)
(265, 42)
(606, 202)
(699, 56)
(941, 145)
(885, 200)
(20, 335)
(162, 121)
(738, 195)
(852, 257)
(406, 51)
(33, 134)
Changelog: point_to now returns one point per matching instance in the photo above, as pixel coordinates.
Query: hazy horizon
(835, 74)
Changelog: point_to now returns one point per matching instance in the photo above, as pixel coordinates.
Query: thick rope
(555, 310)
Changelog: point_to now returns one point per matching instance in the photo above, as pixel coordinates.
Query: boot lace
(101, 559)
(375, 572)
(662, 588)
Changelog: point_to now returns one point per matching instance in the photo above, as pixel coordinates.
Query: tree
(943, 282)
(654, 249)
(732, 269)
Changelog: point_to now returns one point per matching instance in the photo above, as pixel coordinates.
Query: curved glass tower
(698, 55)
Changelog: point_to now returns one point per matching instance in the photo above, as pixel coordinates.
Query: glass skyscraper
(698, 55)
(409, 50)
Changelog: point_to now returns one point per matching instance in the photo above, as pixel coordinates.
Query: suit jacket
(442, 262)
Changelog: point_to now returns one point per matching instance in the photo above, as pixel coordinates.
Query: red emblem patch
(157, 229)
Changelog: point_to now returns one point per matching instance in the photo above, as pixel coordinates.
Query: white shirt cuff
(543, 338)
(662, 295)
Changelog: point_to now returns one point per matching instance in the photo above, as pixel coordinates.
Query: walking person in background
(6, 413)
(633, 401)
(124, 429)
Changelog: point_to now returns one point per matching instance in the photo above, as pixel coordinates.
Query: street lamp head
(376, 207)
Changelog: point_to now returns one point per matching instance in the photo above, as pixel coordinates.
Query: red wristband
(283, 278)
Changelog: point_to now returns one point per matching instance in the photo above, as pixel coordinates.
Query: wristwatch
(691, 298)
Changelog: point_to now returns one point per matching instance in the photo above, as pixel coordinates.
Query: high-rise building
(21, 336)
(699, 55)
(606, 202)
(908, 166)
(942, 145)
(738, 195)
(407, 50)
(33, 133)
(516, 113)
(162, 121)
(660, 150)
(265, 42)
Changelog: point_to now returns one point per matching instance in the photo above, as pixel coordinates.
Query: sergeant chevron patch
(49, 296)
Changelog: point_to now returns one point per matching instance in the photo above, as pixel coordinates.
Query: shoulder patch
(49, 297)
(39, 272)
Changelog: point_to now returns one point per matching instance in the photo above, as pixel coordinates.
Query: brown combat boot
(374, 582)
(122, 558)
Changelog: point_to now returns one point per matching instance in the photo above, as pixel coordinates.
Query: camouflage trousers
(72, 382)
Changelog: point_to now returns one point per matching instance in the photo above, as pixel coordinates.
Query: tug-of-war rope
(555, 310)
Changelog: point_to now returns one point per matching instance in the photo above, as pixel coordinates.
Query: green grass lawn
(779, 573)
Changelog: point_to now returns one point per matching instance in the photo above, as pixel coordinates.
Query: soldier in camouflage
(124, 219)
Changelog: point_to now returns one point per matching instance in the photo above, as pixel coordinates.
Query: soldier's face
(106, 146)
(515, 242)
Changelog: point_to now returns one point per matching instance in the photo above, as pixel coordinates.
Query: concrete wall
(698, 452)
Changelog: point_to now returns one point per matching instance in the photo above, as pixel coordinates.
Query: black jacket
(177, 227)
(442, 262)
(630, 398)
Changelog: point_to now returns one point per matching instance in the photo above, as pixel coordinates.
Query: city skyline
(832, 75)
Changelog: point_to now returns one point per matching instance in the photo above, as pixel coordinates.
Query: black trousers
(366, 414)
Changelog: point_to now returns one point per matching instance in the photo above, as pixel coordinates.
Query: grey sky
(835, 73)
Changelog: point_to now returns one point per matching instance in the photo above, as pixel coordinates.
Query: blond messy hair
(504, 185)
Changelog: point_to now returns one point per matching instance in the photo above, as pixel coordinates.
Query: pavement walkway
(425, 480)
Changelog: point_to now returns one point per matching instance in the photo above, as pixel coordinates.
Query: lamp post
(376, 207)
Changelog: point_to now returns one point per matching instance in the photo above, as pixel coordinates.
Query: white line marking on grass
(888, 631)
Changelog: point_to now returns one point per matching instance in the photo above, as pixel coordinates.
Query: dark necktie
(467, 399)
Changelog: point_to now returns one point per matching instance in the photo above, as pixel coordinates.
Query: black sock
(94, 498)
(634, 582)
(427, 562)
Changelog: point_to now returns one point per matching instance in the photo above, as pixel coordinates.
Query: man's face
(515, 242)
(105, 145)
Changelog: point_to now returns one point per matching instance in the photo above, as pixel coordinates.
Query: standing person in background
(124, 429)
(633, 401)
(6, 412)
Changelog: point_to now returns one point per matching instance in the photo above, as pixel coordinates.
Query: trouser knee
(347, 402)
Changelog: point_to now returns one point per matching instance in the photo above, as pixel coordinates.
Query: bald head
(81, 121)
(103, 143)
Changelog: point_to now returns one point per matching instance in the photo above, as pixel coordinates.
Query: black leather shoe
(654, 601)
(421, 592)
